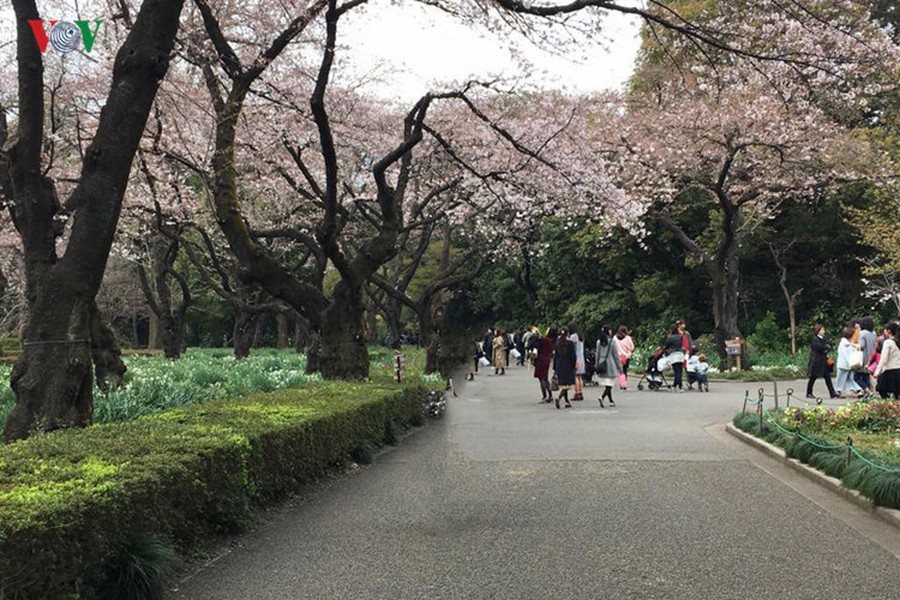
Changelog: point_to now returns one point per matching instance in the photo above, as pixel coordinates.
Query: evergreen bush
(71, 501)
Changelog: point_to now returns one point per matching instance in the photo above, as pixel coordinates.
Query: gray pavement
(506, 498)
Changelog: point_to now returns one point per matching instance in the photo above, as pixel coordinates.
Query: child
(692, 363)
(701, 370)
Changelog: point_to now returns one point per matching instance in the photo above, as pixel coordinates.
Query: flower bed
(858, 443)
(73, 502)
(154, 383)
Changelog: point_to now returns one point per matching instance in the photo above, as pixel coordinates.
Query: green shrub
(884, 489)
(830, 462)
(392, 432)
(363, 453)
(138, 572)
(748, 422)
(70, 501)
(767, 336)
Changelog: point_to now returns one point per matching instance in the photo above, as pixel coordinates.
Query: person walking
(519, 343)
(499, 353)
(530, 343)
(818, 361)
(867, 344)
(625, 348)
(675, 356)
(609, 364)
(479, 354)
(488, 345)
(888, 370)
(577, 338)
(544, 346)
(846, 348)
(687, 342)
(564, 365)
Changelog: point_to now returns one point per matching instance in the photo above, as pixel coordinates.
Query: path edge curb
(888, 515)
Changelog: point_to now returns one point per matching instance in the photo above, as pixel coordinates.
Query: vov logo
(64, 36)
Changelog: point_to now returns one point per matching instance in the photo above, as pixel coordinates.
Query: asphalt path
(508, 498)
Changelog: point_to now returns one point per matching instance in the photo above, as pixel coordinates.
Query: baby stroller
(652, 374)
(590, 368)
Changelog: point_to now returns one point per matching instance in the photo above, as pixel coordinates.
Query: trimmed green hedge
(72, 501)
(882, 487)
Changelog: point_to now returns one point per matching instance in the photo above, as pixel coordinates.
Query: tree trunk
(343, 353)
(302, 334)
(428, 339)
(172, 337)
(243, 333)
(725, 304)
(312, 353)
(258, 334)
(392, 319)
(108, 365)
(154, 330)
(283, 338)
(792, 312)
(372, 323)
(52, 377)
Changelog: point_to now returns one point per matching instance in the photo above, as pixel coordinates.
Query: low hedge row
(882, 487)
(73, 501)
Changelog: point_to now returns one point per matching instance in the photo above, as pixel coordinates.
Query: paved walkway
(506, 498)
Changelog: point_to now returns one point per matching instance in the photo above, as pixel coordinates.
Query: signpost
(734, 349)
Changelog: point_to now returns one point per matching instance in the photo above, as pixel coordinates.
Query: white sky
(409, 49)
(425, 47)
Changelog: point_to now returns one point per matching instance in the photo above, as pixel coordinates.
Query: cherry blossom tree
(52, 378)
(745, 150)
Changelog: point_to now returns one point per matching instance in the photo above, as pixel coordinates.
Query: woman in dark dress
(818, 361)
(564, 365)
(544, 347)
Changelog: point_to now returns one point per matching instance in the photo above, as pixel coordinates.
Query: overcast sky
(409, 49)
(425, 47)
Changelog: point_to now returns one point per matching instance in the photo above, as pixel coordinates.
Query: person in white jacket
(845, 382)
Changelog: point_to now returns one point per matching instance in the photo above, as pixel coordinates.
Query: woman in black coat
(564, 365)
(674, 345)
(818, 361)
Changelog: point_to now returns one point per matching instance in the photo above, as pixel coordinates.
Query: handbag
(515, 353)
(484, 362)
(601, 368)
(554, 383)
(856, 359)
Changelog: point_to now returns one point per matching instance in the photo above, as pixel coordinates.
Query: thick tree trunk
(392, 319)
(154, 332)
(172, 337)
(429, 339)
(283, 337)
(52, 377)
(725, 304)
(372, 323)
(312, 353)
(108, 365)
(244, 329)
(343, 353)
(258, 333)
(302, 334)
